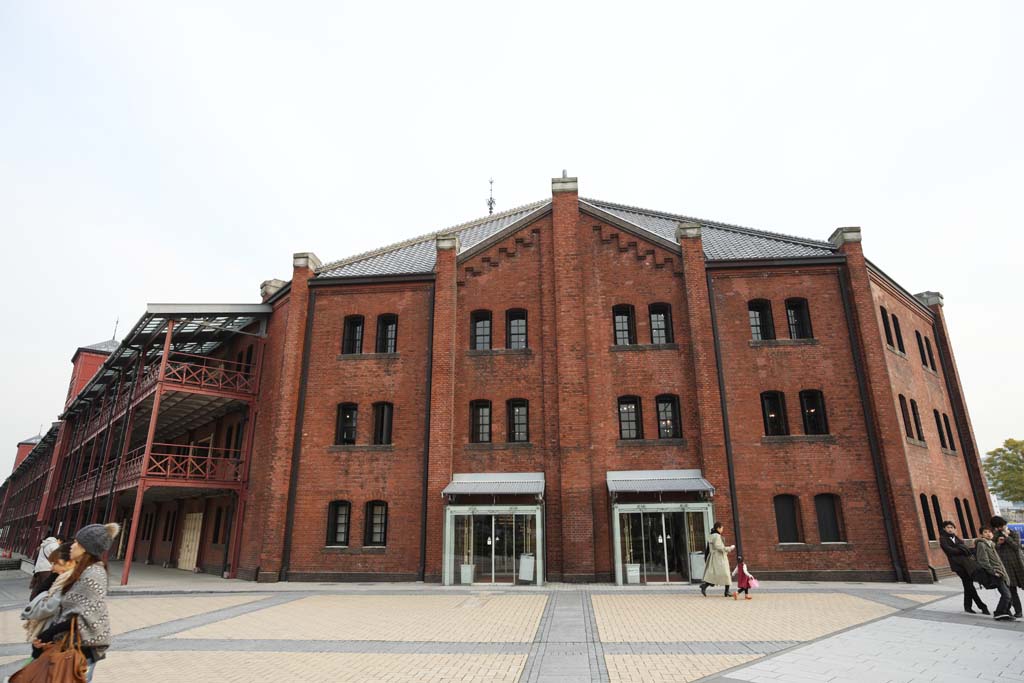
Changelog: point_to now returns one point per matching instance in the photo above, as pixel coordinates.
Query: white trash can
(526, 562)
(632, 573)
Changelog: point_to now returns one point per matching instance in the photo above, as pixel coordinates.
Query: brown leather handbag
(62, 662)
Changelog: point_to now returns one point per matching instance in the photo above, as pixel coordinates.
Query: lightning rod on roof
(565, 174)
(490, 200)
(118, 320)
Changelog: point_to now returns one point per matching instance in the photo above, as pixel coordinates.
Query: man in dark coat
(1008, 546)
(963, 564)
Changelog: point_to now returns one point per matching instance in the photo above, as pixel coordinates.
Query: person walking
(85, 595)
(744, 579)
(43, 569)
(961, 561)
(1008, 546)
(992, 566)
(716, 569)
(43, 609)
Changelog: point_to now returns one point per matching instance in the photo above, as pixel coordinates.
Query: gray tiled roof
(722, 242)
(105, 346)
(32, 439)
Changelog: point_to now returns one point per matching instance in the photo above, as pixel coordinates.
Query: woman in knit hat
(85, 594)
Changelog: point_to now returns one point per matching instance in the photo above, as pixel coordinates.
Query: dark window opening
(920, 348)
(383, 414)
(899, 334)
(338, 515)
(960, 515)
(515, 329)
(169, 521)
(917, 420)
(376, 523)
(518, 410)
(931, 357)
(936, 509)
(938, 428)
(216, 526)
(661, 323)
(886, 326)
(830, 528)
(387, 333)
(352, 338)
(761, 325)
(624, 323)
(787, 519)
(480, 331)
(929, 527)
(798, 315)
(773, 410)
(812, 406)
(970, 519)
(345, 425)
(480, 421)
(949, 432)
(669, 426)
(906, 417)
(630, 418)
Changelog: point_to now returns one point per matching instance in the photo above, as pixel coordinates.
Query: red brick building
(568, 391)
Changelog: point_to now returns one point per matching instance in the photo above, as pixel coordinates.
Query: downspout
(725, 418)
(421, 574)
(869, 425)
(293, 481)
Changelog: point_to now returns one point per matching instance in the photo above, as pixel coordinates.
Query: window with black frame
(376, 532)
(773, 411)
(387, 333)
(949, 432)
(830, 527)
(518, 410)
(669, 426)
(383, 414)
(787, 519)
(338, 515)
(345, 424)
(938, 428)
(480, 421)
(515, 329)
(926, 511)
(886, 326)
(480, 331)
(899, 334)
(352, 337)
(907, 425)
(931, 356)
(624, 323)
(630, 419)
(798, 316)
(917, 420)
(661, 323)
(920, 348)
(812, 407)
(762, 327)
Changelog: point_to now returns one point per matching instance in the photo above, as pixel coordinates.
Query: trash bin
(632, 573)
(526, 562)
(466, 572)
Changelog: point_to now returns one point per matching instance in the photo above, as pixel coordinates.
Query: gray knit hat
(97, 538)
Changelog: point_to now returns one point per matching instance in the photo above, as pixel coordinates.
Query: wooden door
(189, 550)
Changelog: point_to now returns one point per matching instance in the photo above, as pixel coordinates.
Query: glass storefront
(493, 544)
(660, 542)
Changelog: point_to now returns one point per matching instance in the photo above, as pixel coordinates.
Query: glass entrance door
(492, 548)
(661, 546)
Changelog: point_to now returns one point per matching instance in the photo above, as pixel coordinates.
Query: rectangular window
(661, 324)
(387, 333)
(480, 422)
(668, 417)
(382, 417)
(762, 327)
(345, 427)
(949, 432)
(786, 519)
(812, 405)
(907, 426)
(352, 340)
(480, 331)
(518, 421)
(624, 324)
(376, 524)
(920, 348)
(773, 411)
(886, 326)
(917, 420)
(938, 427)
(899, 334)
(798, 315)
(338, 522)
(931, 357)
(515, 329)
(829, 526)
(630, 422)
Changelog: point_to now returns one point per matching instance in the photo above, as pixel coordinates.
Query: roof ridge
(355, 258)
(722, 226)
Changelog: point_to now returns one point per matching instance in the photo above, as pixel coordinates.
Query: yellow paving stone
(130, 613)
(918, 597)
(437, 618)
(669, 668)
(769, 616)
(285, 667)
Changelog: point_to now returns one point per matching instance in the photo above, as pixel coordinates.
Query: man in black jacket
(962, 562)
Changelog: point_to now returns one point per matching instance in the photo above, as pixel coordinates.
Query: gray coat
(988, 557)
(1012, 557)
(87, 600)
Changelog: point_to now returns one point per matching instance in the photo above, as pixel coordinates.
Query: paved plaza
(175, 627)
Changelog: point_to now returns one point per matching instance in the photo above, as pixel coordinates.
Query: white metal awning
(496, 483)
(654, 481)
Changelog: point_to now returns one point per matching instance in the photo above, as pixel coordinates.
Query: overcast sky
(178, 152)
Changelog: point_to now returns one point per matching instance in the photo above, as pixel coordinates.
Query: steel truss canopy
(658, 481)
(199, 329)
(496, 484)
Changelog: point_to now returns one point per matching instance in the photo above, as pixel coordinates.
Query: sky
(181, 152)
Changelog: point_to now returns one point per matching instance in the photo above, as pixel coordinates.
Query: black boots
(704, 588)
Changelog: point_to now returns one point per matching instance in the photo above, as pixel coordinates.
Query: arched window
(773, 410)
(480, 421)
(798, 315)
(970, 519)
(661, 323)
(345, 424)
(899, 334)
(387, 333)
(949, 432)
(929, 527)
(480, 330)
(338, 515)
(761, 325)
(352, 338)
(624, 324)
(812, 406)
(383, 416)
(515, 329)
(376, 531)
(938, 428)
(936, 509)
(631, 424)
(885, 325)
(917, 420)
(830, 526)
(931, 358)
(669, 426)
(960, 515)
(518, 411)
(907, 426)
(920, 348)
(787, 519)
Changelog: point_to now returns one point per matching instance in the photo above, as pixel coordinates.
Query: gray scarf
(87, 600)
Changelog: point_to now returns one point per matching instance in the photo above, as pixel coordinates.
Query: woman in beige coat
(716, 569)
